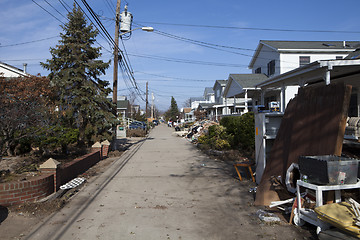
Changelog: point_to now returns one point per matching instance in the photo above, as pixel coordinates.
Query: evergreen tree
(173, 112)
(74, 72)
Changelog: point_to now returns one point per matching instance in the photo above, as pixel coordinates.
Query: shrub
(216, 138)
(135, 133)
(56, 137)
(241, 128)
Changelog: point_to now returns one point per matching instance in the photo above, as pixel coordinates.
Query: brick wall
(71, 170)
(13, 193)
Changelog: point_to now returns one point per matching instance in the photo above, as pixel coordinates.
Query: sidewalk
(163, 188)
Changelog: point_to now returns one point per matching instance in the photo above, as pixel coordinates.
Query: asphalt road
(163, 188)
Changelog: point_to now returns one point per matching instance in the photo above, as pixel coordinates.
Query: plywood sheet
(313, 124)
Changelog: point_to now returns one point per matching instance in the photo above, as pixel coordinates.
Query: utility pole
(116, 52)
(152, 105)
(146, 104)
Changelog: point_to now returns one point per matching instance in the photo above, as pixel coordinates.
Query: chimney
(344, 44)
(25, 65)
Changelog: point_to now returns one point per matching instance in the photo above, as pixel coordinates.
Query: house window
(303, 60)
(271, 67)
(258, 70)
(339, 57)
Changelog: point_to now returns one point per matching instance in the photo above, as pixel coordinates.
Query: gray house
(241, 87)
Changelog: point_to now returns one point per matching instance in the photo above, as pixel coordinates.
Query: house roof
(220, 82)
(305, 46)
(122, 104)
(317, 72)
(237, 83)
(194, 99)
(281, 45)
(208, 90)
(206, 105)
(186, 110)
(248, 80)
(12, 69)
(355, 54)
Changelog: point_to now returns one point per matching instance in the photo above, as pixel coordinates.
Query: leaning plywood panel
(313, 124)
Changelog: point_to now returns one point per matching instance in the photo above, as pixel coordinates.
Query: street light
(115, 79)
(146, 29)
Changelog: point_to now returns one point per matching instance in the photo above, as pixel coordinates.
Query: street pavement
(163, 188)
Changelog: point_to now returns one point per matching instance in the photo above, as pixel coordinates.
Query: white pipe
(327, 77)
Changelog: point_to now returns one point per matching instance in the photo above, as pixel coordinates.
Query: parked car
(137, 125)
(156, 122)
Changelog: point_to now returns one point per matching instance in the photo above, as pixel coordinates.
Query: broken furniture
(309, 215)
(246, 165)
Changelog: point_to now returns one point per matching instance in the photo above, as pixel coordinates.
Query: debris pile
(198, 129)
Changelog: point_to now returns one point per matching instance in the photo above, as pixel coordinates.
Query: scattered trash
(278, 203)
(73, 183)
(198, 129)
(253, 190)
(267, 216)
(355, 206)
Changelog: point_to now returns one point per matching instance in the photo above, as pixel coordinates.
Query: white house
(9, 71)
(222, 104)
(323, 72)
(274, 58)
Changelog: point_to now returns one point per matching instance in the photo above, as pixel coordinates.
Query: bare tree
(187, 103)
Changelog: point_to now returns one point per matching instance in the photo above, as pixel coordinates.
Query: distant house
(123, 107)
(224, 105)
(221, 102)
(209, 95)
(187, 115)
(241, 87)
(274, 58)
(9, 71)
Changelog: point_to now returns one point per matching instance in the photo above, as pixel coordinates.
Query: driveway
(163, 188)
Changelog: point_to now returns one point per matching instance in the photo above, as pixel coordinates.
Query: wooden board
(313, 124)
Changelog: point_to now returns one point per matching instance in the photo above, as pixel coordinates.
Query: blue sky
(160, 60)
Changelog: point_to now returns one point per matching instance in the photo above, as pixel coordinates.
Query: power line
(179, 60)
(22, 43)
(252, 28)
(162, 76)
(63, 3)
(124, 62)
(47, 11)
(199, 43)
(55, 9)
(111, 8)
